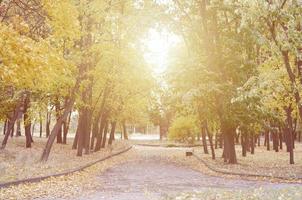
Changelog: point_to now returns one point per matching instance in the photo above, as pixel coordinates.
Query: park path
(150, 177)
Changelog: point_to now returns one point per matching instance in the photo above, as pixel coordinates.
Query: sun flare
(157, 48)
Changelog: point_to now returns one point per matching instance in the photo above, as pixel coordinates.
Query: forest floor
(141, 173)
(152, 173)
(17, 162)
(263, 162)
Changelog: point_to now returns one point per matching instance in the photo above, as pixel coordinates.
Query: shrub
(183, 129)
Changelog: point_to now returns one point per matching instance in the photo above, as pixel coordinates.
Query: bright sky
(157, 46)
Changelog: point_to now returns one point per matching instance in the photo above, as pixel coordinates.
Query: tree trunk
(237, 138)
(221, 140)
(252, 143)
(41, 122)
(125, 131)
(100, 134)
(76, 137)
(18, 131)
(58, 125)
(233, 159)
(10, 123)
(58, 116)
(243, 144)
(66, 128)
(4, 126)
(226, 151)
(204, 138)
(82, 130)
(48, 120)
(210, 140)
(216, 141)
(112, 132)
(12, 131)
(105, 134)
(290, 134)
(95, 128)
(267, 140)
(27, 121)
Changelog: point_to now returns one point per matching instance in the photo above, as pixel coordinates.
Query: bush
(183, 129)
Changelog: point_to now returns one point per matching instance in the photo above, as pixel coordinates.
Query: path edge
(223, 171)
(247, 174)
(78, 169)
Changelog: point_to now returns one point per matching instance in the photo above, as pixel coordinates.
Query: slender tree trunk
(204, 138)
(221, 140)
(48, 120)
(125, 131)
(237, 138)
(4, 126)
(58, 125)
(82, 131)
(27, 121)
(11, 121)
(252, 143)
(243, 144)
(226, 151)
(210, 140)
(41, 122)
(58, 116)
(12, 131)
(233, 159)
(290, 134)
(100, 134)
(267, 140)
(66, 128)
(112, 132)
(18, 131)
(95, 128)
(105, 135)
(76, 137)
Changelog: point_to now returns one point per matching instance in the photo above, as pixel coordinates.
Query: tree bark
(267, 140)
(252, 143)
(290, 134)
(58, 116)
(112, 132)
(125, 131)
(105, 134)
(100, 134)
(243, 144)
(210, 140)
(204, 138)
(58, 125)
(10, 122)
(66, 128)
(27, 120)
(41, 122)
(48, 120)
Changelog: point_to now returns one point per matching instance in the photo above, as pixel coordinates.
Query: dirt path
(151, 177)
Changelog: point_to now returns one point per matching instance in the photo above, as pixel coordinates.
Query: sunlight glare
(158, 45)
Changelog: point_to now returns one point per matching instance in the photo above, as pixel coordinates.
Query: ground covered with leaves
(17, 162)
(289, 193)
(263, 162)
(159, 172)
